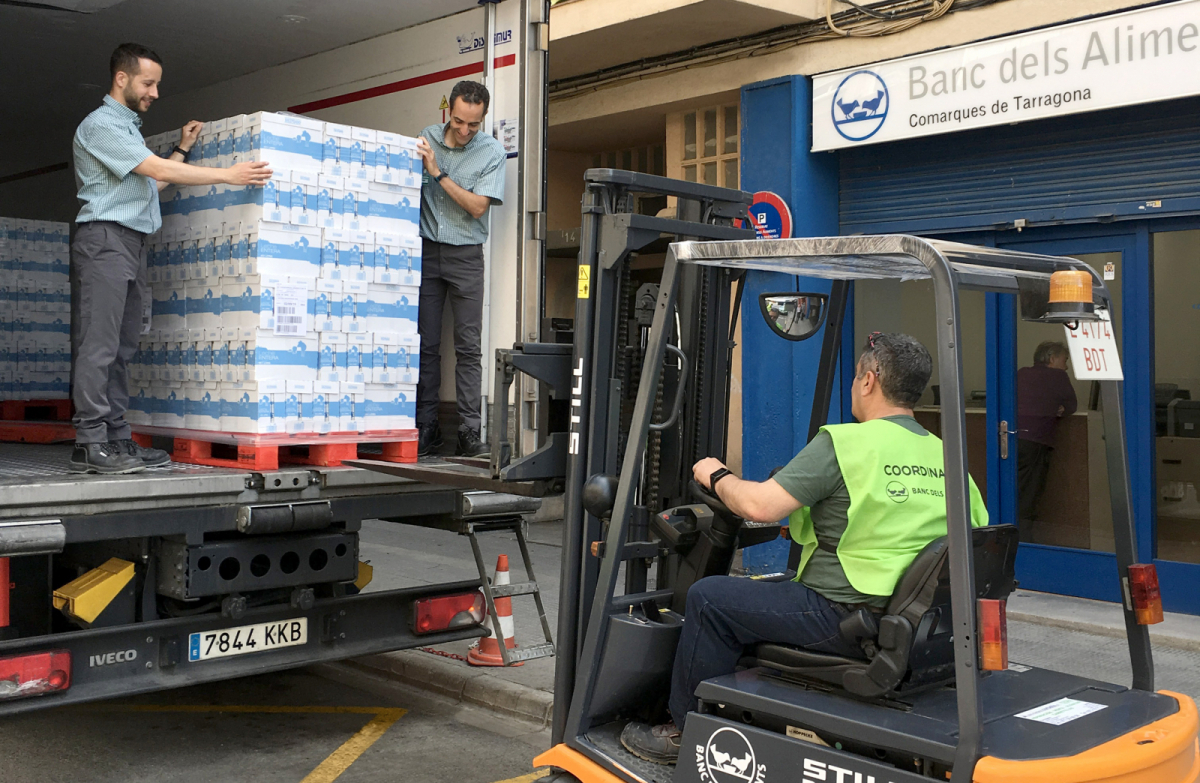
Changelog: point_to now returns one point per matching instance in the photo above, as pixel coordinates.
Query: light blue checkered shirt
(477, 167)
(108, 146)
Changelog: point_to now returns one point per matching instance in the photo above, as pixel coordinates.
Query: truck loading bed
(36, 483)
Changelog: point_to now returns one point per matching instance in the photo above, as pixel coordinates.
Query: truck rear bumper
(151, 656)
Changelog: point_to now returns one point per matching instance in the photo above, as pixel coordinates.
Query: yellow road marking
(530, 778)
(341, 759)
(332, 767)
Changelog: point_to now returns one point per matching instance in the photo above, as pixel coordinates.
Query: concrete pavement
(1045, 630)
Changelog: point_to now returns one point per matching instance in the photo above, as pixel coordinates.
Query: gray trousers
(110, 266)
(454, 272)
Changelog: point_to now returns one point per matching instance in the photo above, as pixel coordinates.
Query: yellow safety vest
(897, 488)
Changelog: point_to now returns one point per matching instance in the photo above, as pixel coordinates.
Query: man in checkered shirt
(464, 177)
(119, 179)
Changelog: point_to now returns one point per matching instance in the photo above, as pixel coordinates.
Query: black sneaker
(469, 444)
(103, 458)
(429, 439)
(659, 744)
(151, 458)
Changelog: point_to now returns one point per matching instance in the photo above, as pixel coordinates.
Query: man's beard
(132, 100)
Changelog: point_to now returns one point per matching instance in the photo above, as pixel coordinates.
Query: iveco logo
(107, 659)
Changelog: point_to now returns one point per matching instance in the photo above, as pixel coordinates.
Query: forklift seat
(908, 646)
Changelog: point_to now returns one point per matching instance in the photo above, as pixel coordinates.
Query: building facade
(1067, 128)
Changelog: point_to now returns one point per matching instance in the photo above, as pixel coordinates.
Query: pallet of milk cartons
(284, 317)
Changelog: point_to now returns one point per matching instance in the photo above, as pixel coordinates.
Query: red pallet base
(35, 410)
(37, 431)
(269, 457)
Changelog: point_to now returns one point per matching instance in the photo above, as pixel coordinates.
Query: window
(709, 146)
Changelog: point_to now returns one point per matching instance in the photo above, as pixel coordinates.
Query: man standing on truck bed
(464, 176)
(119, 179)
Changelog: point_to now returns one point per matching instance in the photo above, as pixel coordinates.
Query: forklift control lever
(711, 500)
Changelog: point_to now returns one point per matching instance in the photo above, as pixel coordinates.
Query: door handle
(1005, 432)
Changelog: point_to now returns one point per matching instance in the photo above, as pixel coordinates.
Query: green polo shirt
(814, 478)
(477, 167)
(108, 146)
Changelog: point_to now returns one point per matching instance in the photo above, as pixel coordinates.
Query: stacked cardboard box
(35, 310)
(288, 308)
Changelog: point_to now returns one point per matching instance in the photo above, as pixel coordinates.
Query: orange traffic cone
(486, 652)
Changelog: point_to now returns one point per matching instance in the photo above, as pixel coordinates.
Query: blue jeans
(725, 614)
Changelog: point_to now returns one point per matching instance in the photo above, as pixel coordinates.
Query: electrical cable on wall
(859, 21)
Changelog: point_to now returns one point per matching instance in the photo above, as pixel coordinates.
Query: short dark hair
(471, 92)
(902, 364)
(1048, 351)
(125, 59)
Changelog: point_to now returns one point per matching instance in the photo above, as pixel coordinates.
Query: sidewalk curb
(459, 682)
(1101, 629)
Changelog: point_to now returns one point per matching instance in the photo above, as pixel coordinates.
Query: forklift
(645, 392)
(938, 698)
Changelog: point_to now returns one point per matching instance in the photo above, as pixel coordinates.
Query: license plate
(247, 639)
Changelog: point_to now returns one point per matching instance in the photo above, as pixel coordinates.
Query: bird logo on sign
(860, 105)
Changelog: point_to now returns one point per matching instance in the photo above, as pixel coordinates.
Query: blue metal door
(1088, 572)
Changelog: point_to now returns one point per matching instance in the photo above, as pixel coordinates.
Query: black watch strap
(440, 177)
(181, 151)
(716, 476)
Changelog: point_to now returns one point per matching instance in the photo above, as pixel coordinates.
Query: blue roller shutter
(1121, 164)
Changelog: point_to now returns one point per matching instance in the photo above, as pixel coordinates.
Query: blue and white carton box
(390, 407)
(397, 259)
(331, 193)
(168, 309)
(326, 409)
(283, 250)
(331, 364)
(395, 358)
(362, 154)
(355, 296)
(203, 304)
(394, 209)
(305, 189)
(328, 317)
(392, 308)
(359, 360)
(397, 161)
(202, 406)
(285, 140)
(346, 253)
(262, 407)
(356, 206)
(253, 302)
(284, 357)
(336, 150)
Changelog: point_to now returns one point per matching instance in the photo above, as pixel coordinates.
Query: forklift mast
(613, 317)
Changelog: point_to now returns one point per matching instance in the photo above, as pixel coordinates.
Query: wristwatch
(182, 151)
(440, 177)
(716, 476)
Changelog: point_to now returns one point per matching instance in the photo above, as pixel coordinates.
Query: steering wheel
(711, 500)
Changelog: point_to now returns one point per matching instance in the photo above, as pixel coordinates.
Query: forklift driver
(862, 499)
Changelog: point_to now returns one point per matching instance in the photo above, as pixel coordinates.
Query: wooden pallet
(269, 456)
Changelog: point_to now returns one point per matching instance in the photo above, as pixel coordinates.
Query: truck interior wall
(420, 65)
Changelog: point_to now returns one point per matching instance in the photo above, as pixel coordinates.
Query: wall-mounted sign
(770, 216)
(1152, 54)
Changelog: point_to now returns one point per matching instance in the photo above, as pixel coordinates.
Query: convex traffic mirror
(792, 315)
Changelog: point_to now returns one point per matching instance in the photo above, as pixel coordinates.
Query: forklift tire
(558, 777)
